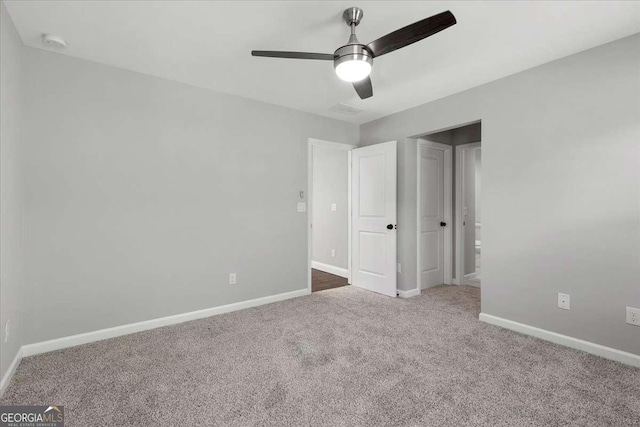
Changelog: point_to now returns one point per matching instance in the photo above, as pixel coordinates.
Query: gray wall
(144, 194)
(560, 190)
(466, 134)
(11, 191)
(458, 135)
(330, 185)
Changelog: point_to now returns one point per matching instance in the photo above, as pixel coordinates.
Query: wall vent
(345, 109)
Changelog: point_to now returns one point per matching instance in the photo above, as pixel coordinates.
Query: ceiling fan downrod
(352, 17)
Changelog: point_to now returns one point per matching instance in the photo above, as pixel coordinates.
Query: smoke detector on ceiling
(54, 41)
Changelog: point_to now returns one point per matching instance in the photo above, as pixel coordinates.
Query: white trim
(330, 144)
(6, 379)
(459, 235)
(448, 214)
(586, 346)
(331, 269)
(470, 276)
(349, 218)
(436, 145)
(103, 334)
(312, 142)
(409, 294)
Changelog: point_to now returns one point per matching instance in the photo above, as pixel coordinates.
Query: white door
(373, 235)
(431, 217)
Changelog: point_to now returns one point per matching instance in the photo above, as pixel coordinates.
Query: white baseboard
(470, 276)
(103, 334)
(409, 294)
(6, 379)
(331, 269)
(587, 346)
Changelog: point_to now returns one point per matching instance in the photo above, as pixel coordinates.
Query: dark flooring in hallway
(321, 281)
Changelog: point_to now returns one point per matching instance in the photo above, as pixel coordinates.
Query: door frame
(460, 197)
(313, 142)
(448, 209)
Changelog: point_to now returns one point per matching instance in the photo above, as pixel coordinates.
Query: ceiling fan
(354, 60)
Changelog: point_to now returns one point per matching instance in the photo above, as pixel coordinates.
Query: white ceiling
(208, 44)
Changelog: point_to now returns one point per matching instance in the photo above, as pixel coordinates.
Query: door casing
(460, 198)
(312, 142)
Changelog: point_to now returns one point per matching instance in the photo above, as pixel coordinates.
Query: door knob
(389, 226)
(443, 224)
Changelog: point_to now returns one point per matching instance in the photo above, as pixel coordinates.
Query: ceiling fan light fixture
(353, 62)
(353, 70)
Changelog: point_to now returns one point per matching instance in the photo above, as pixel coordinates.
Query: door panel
(372, 175)
(372, 255)
(431, 216)
(373, 209)
(431, 169)
(430, 247)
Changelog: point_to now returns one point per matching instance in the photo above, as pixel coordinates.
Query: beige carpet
(342, 357)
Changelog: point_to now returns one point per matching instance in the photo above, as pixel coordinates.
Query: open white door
(373, 231)
(431, 220)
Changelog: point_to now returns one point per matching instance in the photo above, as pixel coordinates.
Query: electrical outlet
(564, 301)
(633, 316)
(333, 253)
(334, 207)
(6, 330)
(232, 279)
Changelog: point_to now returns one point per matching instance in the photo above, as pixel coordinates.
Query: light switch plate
(233, 278)
(302, 207)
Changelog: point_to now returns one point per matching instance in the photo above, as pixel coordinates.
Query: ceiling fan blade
(364, 88)
(292, 55)
(412, 33)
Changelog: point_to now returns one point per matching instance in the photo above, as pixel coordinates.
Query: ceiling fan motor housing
(352, 52)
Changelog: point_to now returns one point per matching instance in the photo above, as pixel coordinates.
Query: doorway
(329, 209)
(449, 223)
(365, 203)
